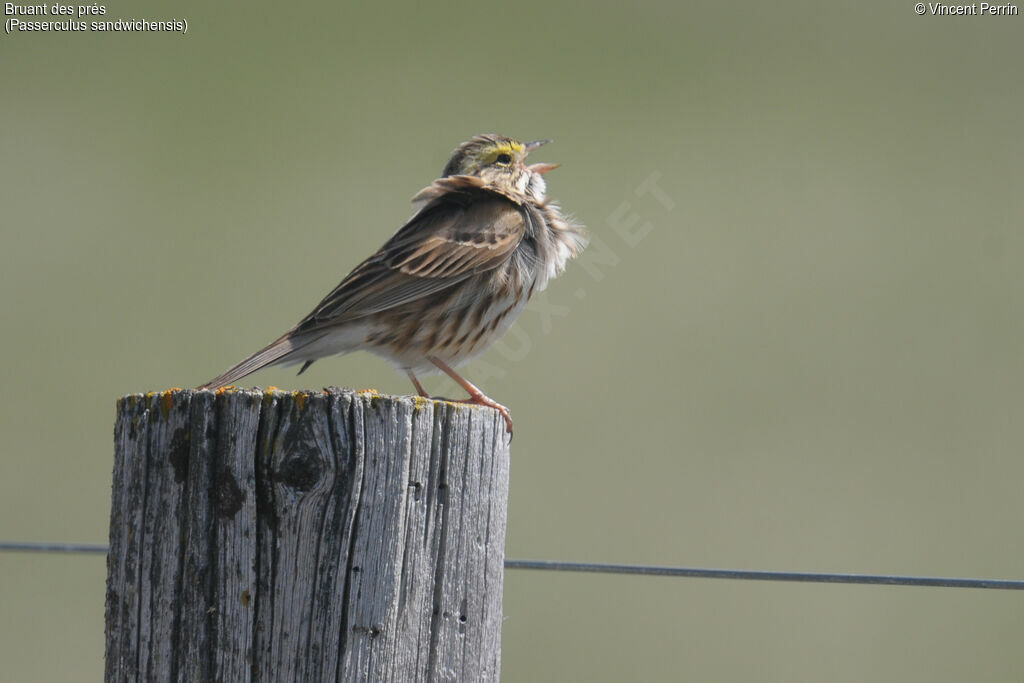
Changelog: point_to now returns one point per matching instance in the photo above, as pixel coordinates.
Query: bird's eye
(504, 159)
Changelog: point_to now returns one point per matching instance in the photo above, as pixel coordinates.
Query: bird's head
(501, 162)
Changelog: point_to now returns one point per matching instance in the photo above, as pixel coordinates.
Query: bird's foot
(481, 400)
(476, 397)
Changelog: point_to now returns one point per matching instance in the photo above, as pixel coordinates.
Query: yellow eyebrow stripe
(504, 148)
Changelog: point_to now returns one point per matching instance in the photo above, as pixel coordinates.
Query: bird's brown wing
(462, 229)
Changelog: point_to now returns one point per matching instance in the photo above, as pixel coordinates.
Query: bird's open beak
(542, 168)
(538, 168)
(530, 146)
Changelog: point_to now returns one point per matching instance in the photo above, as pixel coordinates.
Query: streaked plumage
(451, 281)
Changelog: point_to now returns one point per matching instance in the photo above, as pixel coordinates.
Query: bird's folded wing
(461, 230)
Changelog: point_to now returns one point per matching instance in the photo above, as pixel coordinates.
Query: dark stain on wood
(178, 455)
(228, 498)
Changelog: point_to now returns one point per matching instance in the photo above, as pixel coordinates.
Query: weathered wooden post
(308, 536)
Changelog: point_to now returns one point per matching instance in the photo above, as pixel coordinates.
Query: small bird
(451, 281)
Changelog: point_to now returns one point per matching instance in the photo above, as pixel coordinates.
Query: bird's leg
(476, 396)
(416, 383)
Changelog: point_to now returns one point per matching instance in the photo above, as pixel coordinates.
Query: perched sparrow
(451, 281)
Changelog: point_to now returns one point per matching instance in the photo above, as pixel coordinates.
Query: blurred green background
(802, 352)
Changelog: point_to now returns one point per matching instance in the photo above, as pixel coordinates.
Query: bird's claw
(482, 400)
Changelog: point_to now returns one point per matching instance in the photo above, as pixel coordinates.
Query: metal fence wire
(640, 570)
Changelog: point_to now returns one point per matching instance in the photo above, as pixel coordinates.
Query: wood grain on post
(308, 536)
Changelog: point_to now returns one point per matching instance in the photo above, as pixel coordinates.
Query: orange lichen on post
(167, 401)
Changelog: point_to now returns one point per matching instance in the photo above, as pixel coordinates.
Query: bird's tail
(273, 353)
